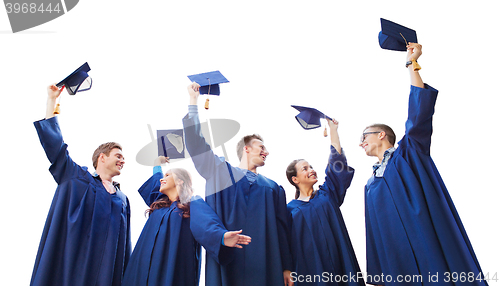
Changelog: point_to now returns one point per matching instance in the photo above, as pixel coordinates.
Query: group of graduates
(412, 226)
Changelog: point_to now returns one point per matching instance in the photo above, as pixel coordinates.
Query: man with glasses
(414, 235)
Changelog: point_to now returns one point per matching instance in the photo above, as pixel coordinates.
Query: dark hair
(185, 193)
(245, 141)
(104, 148)
(291, 171)
(391, 136)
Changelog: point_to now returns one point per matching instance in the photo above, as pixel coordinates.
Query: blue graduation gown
(412, 226)
(258, 208)
(166, 253)
(319, 239)
(86, 238)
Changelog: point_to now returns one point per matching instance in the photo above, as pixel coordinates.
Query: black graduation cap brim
(309, 118)
(171, 143)
(391, 36)
(77, 81)
(209, 82)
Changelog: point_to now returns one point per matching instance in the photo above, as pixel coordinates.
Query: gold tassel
(57, 110)
(325, 133)
(206, 104)
(416, 66)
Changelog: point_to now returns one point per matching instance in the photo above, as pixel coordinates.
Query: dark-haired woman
(321, 249)
(166, 252)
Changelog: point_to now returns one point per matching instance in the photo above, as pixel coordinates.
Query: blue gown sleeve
(210, 166)
(62, 166)
(283, 225)
(208, 230)
(150, 190)
(338, 176)
(157, 169)
(419, 123)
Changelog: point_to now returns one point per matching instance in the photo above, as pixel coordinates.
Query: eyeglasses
(363, 137)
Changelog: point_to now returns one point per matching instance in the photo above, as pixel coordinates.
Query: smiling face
(306, 175)
(256, 152)
(370, 141)
(112, 164)
(167, 184)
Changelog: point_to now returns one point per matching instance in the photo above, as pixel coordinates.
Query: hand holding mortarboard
(396, 37)
(309, 118)
(77, 81)
(208, 83)
(414, 51)
(332, 123)
(334, 135)
(161, 160)
(53, 93)
(194, 92)
(171, 143)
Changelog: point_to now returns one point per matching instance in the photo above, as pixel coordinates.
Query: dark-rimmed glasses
(363, 137)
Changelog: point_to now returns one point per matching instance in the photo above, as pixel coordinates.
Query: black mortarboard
(394, 36)
(170, 143)
(77, 81)
(309, 118)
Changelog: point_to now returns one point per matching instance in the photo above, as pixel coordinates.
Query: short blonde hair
(245, 141)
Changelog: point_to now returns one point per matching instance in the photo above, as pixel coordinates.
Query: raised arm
(420, 106)
(338, 174)
(150, 190)
(334, 135)
(50, 136)
(206, 162)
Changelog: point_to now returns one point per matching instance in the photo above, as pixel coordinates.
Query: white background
(322, 54)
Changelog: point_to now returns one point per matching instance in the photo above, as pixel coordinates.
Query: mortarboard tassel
(57, 110)
(416, 66)
(207, 101)
(325, 132)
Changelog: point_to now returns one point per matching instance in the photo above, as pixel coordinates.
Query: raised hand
(53, 91)
(161, 160)
(414, 51)
(194, 92)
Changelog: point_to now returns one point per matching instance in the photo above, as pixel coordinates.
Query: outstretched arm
(235, 239)
(414, 52)
(209, 231)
